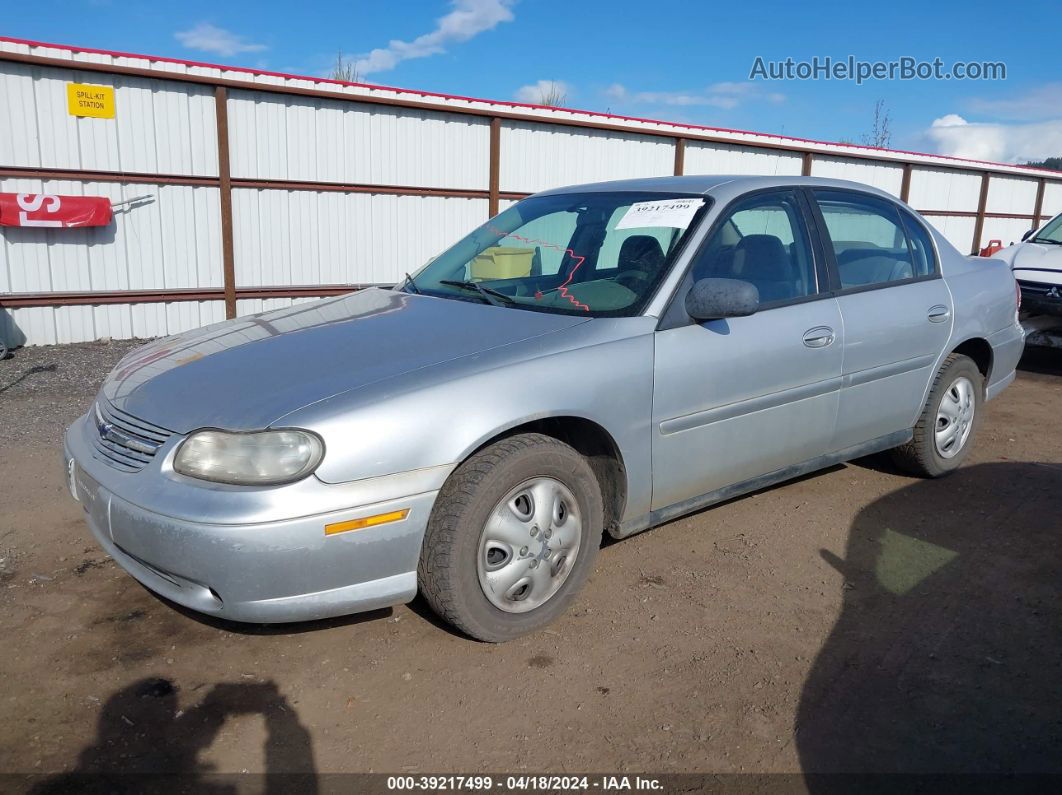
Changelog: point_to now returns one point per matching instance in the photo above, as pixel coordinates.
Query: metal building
(263, 189)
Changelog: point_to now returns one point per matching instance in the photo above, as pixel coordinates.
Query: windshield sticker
(675, 213)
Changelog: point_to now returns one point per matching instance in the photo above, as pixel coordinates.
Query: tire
(958, 382)
(466, 564)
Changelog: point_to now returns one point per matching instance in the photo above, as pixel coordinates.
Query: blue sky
(682, 61)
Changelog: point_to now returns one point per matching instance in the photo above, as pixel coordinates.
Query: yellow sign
(86, 100)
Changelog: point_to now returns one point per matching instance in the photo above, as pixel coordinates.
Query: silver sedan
(601, 358)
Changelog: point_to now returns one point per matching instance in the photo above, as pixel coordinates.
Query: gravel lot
(49, 386)
(853, 620)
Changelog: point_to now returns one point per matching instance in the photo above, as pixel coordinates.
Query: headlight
(249, 459)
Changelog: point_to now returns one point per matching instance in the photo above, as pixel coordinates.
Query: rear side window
(762, 240)
(869, 241)
(925, 260)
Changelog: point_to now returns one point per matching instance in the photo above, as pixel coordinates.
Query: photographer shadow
(947, 655)
(145, 743)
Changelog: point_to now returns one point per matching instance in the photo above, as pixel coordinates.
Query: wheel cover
(955, 416)
(529, 544)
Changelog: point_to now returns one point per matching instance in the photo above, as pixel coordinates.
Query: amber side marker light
(368, 521)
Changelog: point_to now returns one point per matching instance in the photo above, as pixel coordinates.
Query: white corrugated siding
(958, 229)
(705, 158)
(1011, 195)
(886, 176)
(303, 237)
(293, 237)
(535, 157)
(170, 240)
(47, 325)
(1052, 198)
(159, 127)
(1007, 230)
(302, 138)
(945, 189)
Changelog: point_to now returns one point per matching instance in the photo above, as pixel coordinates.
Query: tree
(1053, 163)
(345, 69)
(880, 134)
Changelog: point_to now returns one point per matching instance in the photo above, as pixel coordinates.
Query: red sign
(49, 210)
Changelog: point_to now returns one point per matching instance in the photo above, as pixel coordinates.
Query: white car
(1037, 266)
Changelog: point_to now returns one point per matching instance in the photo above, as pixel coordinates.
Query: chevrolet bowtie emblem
(111, 433)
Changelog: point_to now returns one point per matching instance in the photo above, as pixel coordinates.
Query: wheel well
(981, 352)
(596, 445)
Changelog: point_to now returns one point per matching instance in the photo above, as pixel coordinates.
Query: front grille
(123, 441)
(1035, 288)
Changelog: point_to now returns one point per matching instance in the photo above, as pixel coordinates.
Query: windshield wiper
(1047, 240)
(489, 296)
(411, 283)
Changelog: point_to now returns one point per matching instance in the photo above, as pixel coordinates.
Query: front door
(743, 397)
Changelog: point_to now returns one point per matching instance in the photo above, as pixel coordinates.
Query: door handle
(819, 337)
(939, 313)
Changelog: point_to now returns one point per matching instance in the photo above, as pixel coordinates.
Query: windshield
(600, 254)
(1052, 233)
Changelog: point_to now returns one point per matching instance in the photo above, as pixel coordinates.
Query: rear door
(743, 397)
(896, 310)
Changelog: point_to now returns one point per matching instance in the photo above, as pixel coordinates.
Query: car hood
(243, 374)
(1038, 262)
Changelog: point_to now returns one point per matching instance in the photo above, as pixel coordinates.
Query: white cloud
(210, 38)
(468, 18)
(1041, 102)
(724, 95)
(1007, 143)
(534, 93)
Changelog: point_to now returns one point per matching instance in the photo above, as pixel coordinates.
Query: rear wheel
(512, 537)
(945, 430)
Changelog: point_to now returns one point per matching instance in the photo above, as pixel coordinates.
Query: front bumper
(275, 570)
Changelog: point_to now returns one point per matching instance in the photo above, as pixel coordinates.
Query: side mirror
(712, 299)
(1028, 234)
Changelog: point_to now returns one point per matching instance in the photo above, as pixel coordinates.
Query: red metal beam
(680, 156)
(982, 202)
(228, 256)
(17, 300)
(494, 167)
(905, 183)
(1038, 206)
(81, 175)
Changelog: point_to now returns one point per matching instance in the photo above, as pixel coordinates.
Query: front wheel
(512, 537)
(945, 430)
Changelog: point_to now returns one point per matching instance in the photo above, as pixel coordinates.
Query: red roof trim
(506, 103)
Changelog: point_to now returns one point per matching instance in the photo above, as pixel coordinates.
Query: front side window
(762, 241)
(600, 254)
(869, 242)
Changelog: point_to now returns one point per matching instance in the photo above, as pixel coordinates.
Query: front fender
(440, 415)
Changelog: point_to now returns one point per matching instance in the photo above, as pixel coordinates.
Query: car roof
(719, 186)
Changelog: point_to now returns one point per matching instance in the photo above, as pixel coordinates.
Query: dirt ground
(854, 620)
